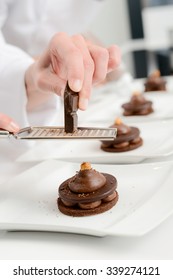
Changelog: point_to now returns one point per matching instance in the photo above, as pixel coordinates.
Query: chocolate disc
(157, 84)
(134, 133)
(137, 107)
(77, 212)
(130, 147)
(66, 194)
(142, 112)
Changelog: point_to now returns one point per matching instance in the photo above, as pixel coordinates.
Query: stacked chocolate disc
(137, 106)
(155, 82)
(89, 192)
(128, 138)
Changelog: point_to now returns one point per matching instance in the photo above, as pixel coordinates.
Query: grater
(54, 132)
(70, 129)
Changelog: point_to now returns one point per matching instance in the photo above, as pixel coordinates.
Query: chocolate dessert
(137, 106)
(155, 82)
(87, 193)
(128, 138)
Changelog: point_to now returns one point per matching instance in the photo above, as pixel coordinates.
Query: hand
(8, 124)
(71, 59)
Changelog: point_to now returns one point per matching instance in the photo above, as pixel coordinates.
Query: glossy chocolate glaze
(138, 105)
(134, 133)
(66, 194)
(86, 181)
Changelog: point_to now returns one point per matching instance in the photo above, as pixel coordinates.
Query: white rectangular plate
(28, 201)
(157, 137)
(108, 107)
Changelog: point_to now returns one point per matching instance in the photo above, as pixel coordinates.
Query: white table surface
(157, 244)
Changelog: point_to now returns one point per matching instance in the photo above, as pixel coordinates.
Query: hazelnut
(85, 166)
(118, 121)
(136, 93)
(155, 74)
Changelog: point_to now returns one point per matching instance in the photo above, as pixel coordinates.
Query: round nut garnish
(118, 121)
(85, 166)
(155, 74)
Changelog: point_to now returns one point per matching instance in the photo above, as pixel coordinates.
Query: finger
(50, 82)
(8, 124)
(88, 64)
(100, 56)
(114, 57)
(67, 60)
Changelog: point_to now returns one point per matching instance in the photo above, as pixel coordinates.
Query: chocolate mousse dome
(137, 98)
(121, 127)
(86, 180)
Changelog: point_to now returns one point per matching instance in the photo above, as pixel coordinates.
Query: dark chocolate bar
(71, 99)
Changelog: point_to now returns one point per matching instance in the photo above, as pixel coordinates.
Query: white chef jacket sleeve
(13, 98)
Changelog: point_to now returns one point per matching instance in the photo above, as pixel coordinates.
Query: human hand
(71, 59)
(8, 124)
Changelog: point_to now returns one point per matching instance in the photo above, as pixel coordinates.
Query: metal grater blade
(53, 132)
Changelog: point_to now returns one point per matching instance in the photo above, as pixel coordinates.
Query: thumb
(8, 124)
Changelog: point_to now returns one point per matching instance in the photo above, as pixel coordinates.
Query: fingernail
(13, 127)
(76, 85)
(83, 103)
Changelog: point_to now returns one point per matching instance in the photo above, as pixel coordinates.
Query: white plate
(106, 109)
(162, 105)
(157, 137)
(28, 201)
(106, 101)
